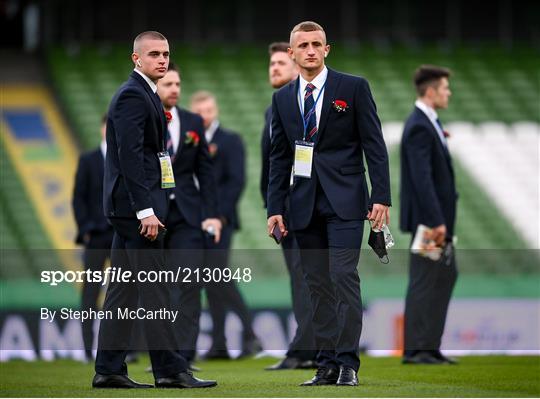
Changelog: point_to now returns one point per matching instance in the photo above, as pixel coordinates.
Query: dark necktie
(310, 118)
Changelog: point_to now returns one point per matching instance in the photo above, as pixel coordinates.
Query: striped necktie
(310, 118)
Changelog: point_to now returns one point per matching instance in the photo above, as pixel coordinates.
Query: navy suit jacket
(195, 204)
(342, 140)
(265, 154)
(88, 195)
(229, 169)
(428, 193)
(135, 134)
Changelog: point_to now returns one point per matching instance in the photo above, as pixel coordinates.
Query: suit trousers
(224, 296)
(96, 253)
(428, 295)
(302, 345)
(329, 252)
(185, 248)
(133, 252)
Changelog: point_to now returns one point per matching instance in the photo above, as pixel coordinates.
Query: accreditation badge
(303, 158)
(167, 175)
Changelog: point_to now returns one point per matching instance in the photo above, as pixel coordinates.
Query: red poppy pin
(192, 138)
(212, 149)
(446, 134)
(340, 105)
(168, 116)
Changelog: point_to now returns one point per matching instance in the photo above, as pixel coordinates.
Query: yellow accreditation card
(303, 158)
(167, 175)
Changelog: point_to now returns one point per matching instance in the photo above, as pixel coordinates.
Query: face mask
(380, 241)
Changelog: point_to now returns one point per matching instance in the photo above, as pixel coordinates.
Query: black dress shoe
(217, 354)
(250, 347)
(184, 380)
(323, 376)
(116, 381)
(347, 376)
(422, 357)
(444, 359)
(292, 363)
(193, 368)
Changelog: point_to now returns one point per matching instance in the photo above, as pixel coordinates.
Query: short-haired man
(324, 123)
(228, 155)
(192, 206)
(301, 353)
(428, 197)
(135, 202)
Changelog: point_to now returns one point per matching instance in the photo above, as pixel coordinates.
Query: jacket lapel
(332, 82)
(438, 139)
(296, 116)
(162, 122)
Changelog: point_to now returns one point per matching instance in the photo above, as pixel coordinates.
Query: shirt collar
(147, 79)
(103, 147)
(318, 81)
(426, 109)
(174, 113)
(209, 133)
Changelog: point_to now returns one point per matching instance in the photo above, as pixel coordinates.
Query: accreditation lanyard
(301, 105)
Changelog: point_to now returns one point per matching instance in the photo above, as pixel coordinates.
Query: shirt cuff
(144, 213)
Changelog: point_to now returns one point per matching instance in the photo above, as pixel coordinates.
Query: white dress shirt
(211, 131)
(432, 116)
(318, 82)
(144, 213)
(174, 128)
(103, 147)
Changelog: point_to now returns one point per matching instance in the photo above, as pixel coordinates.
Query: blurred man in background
(324, 123)
(428, 197)
(94, 231)
(228, 155)
(301, 353)
(192, 206)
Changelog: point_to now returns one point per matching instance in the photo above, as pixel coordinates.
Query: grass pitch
(482, 376)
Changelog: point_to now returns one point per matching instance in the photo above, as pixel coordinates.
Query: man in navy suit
(428, 196)
(228, 155)
(135, 203)
(301, 352)
(193, 207)
(323, 123)
(94, 231)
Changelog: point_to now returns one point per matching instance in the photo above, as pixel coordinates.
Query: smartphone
(276, 234)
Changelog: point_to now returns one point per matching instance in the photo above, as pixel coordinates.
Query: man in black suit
(193, 206)
(323, 123)
(135, 201)
(94, 231)
(301, 353)
(228, 155)
(428, 196)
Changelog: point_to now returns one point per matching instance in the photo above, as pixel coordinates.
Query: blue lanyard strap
(301, 103)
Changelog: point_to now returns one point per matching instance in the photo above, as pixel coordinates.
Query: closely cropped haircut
(174, 67)
(201, 95)
(278, 47)
(150, 34)
(429, 76)
(306, 26)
